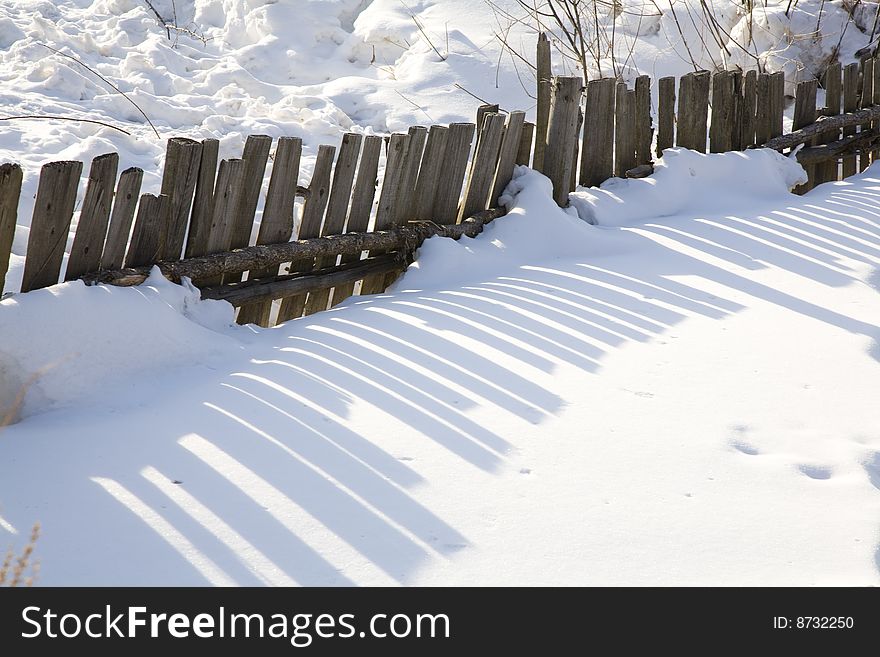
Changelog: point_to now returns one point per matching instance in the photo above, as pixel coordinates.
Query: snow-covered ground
(677, 400)
(682, 393)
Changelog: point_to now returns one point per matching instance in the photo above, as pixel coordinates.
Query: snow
(681, 400)
(671, 382)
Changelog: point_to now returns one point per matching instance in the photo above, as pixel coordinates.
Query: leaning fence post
(561, 134)
(544, 91)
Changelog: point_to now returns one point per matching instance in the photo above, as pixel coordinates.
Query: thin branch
(63, 118)
(113, 86)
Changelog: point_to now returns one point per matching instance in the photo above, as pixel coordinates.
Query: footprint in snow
(872, 467)
(745, 448)
(815, 471)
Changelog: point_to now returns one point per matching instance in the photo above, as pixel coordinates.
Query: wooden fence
(207, 209)
(608, 129)
(356, 233)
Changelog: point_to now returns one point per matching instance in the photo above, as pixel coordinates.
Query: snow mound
(534, 228)
(67, 342)
(686, 182)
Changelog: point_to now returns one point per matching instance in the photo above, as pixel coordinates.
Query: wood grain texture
(10, 192)
(361, 206)
(524, 154)
(644, 129)
(829, 171)
(624, 131)
(850, 104)
(455, 161)
(693, 111)
(277, 223)
(254, 158)
(337, 211)
(182, 158)
(203, 202)
(561, 134)
(597, 161)
(482, 172)
(510, 144)
(429, 172)
(310, 226)
(121, 218)
(150, 230)
(53, 212)
(94, 217)
(665, 114)
(545, 80)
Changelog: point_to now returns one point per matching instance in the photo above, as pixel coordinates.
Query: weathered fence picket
(121, 218)
(91, 230)
(53, 212)
(10, 192)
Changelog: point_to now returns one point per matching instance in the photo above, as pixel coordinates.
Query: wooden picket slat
(804, 115)
(121, 218)
(254, 158)
(749, 107)
(203, 203)
(665, 114)
(395, 164)
(150, 230)
(507, 156)
(310, 225)
(597, 163)
(644, 131)
(429, 172)
(545, 81)
(875, 152)
(482, 111)
(720, 128)
(524, 154)
(91, 229)
(386, 213)
(736, 127)
(53, 211)
(179, 177)
(361, 205)
(277, 224)
(777, 103)
(867, 99)
(561, 134)
(576, 149)
(405, 207)
(829, 171)
(337, 210)
(762, 110)
(479, 184)
(624, 131)
(850, 104)
(693, 111)
(226, 199)
(455, 161)
(10, 192)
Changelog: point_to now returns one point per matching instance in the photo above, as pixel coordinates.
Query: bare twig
(63, 118)
(110, 84)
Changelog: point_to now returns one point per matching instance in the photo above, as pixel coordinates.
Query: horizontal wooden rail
(821, 125)
(861, 141)
(403, 238)
(269, 289)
